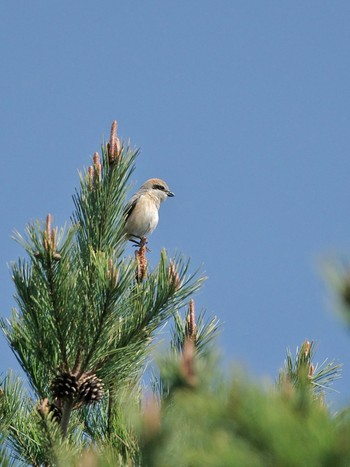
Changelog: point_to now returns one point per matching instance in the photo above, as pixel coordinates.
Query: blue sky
(242, 107)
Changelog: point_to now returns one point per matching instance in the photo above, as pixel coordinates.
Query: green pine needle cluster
(301, 372)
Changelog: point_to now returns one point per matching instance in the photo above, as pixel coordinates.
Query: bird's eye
(158, 187)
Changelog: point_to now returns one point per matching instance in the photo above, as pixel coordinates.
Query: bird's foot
(141, 242)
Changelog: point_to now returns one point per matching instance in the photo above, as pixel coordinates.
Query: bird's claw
(140, 243)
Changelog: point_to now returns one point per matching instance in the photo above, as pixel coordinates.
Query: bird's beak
(170, 194)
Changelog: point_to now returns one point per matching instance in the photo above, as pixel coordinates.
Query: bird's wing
(130, 205)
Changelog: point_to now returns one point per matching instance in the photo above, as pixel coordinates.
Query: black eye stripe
(158, 187)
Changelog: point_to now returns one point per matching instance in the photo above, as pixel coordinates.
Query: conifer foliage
(86, 318)
(86, 313)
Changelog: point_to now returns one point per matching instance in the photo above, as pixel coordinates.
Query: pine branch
(26, 437)
(302, 374)
(203, 332)
(56, 314)
(66, 413)
(87, 317)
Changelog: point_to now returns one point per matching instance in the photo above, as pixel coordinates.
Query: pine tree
(84, 330)
(86, 318)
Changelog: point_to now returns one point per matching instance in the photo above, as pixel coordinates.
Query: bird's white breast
(144, 217)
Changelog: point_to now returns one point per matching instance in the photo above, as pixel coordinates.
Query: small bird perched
(142, 209)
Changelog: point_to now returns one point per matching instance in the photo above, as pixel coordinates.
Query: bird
(141, 211)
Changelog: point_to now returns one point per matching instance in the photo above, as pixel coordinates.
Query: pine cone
(64, 386)
(90, 389)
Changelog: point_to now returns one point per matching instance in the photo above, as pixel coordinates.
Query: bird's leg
(136, 242)
(142, 242)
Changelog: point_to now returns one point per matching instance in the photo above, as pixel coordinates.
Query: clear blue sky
(242, 107)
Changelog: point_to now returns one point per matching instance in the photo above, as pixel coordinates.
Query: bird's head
(158, 188)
